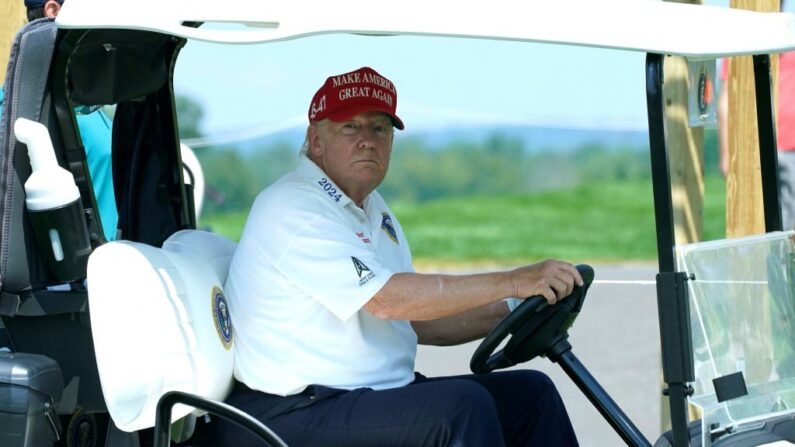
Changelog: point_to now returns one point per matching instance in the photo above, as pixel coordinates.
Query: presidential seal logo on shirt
(221, 318)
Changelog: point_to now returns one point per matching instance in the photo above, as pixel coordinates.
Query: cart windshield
(741, 316)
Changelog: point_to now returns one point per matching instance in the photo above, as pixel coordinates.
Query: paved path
(616, 337)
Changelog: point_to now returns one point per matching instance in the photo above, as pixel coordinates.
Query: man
(328, 311)
(38, 9)
(96, 133)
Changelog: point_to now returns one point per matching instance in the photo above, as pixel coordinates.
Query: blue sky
(441, 82)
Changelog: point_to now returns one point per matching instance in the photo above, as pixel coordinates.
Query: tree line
(500, 164)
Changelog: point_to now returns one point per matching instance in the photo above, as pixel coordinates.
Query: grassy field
(609, 222)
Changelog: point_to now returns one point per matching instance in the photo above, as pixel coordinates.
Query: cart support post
(673, 308)
(671, 293)
(768, 155)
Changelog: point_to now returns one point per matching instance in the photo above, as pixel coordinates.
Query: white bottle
(54, 206)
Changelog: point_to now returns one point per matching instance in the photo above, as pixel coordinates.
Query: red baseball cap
(349, 94)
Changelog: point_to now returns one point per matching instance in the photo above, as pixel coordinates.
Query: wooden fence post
(12, 18)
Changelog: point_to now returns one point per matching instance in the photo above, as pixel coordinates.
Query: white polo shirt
(308, 260)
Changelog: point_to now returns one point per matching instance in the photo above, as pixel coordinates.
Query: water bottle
(54, 206)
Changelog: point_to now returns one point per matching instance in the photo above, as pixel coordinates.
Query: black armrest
(228, 412)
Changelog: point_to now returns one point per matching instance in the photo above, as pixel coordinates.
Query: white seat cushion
(160, 322)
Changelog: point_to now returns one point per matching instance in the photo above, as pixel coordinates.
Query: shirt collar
(311, 172)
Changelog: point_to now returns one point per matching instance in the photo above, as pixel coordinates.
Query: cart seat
(160, 322)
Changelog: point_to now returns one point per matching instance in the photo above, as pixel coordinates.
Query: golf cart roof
(84, 57)
(694, 31)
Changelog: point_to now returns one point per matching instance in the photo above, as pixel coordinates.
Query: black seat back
(50, 72)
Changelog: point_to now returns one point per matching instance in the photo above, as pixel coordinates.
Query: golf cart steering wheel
(536, 328)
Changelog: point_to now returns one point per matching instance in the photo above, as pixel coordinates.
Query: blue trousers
(508, 408)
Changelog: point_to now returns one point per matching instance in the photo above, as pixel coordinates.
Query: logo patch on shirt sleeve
(389, 228)
(364, 272)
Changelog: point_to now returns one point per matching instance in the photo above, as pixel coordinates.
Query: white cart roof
(694, 31)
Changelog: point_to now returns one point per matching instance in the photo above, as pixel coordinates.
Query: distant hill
(538, 138)
(533, 138)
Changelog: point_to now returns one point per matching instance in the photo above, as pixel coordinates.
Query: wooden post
(744, 212)
(12, 18)
(744, 206)
(686, 159)
(685, 155)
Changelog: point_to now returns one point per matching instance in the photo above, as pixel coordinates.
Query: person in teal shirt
(96, 131)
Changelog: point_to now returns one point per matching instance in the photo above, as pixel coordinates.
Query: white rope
(652, 283)
(624, 282)
(730, 282)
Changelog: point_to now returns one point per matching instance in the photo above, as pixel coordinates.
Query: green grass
(608, 222)
(228, 224)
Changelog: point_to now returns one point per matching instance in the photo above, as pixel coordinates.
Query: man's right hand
(551, 279)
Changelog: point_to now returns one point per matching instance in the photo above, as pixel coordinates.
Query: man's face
(353, 153)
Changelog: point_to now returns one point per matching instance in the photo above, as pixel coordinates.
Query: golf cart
(122, 342)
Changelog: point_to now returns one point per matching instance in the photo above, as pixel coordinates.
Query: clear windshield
(741, 314)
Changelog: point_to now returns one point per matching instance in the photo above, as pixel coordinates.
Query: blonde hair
(304, 152)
